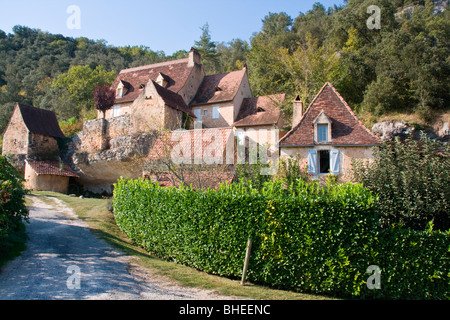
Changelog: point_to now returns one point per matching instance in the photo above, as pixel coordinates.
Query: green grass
(102, 223)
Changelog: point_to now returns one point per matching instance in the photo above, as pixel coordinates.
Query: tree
(411, 181)
(208, 51)
(104, 98)
(79, 83)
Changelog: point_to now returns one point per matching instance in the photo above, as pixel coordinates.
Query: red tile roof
(40, 121)
(51, 168)
(175, 72)
(192, 139)
(219, 87)
(346, 128)
(260, 111)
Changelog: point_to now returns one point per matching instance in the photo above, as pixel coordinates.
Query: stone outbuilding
(328, 136)
(48, 176)
(31, 133)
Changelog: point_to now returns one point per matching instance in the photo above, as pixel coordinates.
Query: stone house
(31, 140)
(160, 97)
(327, 136)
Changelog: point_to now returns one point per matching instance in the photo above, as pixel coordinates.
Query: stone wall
(42, 147)
(15, 138)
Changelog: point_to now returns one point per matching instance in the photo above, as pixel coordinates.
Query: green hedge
(12, 207)
(305, 237)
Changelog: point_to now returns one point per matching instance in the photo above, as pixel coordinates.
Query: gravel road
(64, 260)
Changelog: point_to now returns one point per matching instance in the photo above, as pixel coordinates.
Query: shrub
(412, 181)
(12, 204)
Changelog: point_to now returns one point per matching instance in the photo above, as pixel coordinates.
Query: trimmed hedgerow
(305, 237)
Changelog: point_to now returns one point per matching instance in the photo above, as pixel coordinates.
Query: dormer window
(322, 128)
(259, 109)
(162, 80)
(121, 89)
(322, 133)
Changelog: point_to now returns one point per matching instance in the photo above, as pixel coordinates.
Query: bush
(305, 237)
(12, 205)
(412, 181)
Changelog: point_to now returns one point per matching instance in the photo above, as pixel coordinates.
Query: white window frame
(322, 132)
(116, 111)
(313, 161)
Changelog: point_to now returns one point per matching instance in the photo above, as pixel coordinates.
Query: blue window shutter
(334, 161)
(312, 167)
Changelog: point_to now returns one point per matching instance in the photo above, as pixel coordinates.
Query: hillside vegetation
(403, 67)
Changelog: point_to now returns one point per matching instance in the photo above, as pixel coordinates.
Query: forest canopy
(403, 66)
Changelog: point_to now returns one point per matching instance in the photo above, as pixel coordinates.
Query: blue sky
(161, 25)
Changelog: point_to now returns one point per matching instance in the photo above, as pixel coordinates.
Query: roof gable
(40, 121)
(172, 99)
(346, 128)
(175, 73)
(259, 111)
(219, 87)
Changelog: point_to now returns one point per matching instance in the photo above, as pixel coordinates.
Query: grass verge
(102, 223)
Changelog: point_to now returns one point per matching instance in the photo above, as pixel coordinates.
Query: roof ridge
(154, 65)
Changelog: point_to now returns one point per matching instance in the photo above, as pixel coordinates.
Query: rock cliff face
(388, 130)
(99, 170)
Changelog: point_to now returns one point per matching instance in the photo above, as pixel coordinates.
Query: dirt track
(64, 260)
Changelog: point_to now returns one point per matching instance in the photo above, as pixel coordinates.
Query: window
(198, 114)
(205, 112)
(322, 133)
(116, 111)
(324, 161)
(215, 113)
(119, 92)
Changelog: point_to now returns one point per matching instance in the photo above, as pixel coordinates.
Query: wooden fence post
(247, 260)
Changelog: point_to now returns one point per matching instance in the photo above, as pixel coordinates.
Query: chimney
(194, 57)
(297, 111)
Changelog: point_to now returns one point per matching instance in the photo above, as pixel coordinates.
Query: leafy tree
(79, 83)
(411, 181)
(104, 98)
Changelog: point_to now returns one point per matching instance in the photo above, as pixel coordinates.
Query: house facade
(31, 141)
(327, 136)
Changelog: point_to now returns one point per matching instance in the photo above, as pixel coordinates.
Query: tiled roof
(346, 128)
(191, 139)
(219, 87)
(51, 168)
(172, 99)
(40, 121)
(259, 111)
(175, 72)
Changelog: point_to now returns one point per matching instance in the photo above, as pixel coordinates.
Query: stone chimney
(297, 111)
(194, 57)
